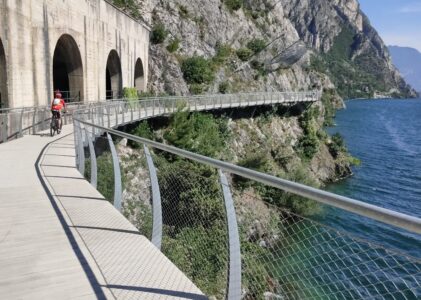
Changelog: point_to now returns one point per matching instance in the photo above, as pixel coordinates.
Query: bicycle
(55, 123)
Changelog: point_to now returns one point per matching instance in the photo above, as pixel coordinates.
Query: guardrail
(16, 122)
(226, 239)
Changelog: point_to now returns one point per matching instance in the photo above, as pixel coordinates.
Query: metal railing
(16, 122)
(230, 242)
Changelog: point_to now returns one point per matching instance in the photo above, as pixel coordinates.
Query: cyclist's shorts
(56, 113)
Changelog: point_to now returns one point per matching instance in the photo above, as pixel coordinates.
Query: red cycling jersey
(58, 104)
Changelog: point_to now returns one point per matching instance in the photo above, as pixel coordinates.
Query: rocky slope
(303, 39)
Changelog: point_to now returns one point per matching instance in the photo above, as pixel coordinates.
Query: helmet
(57, 94)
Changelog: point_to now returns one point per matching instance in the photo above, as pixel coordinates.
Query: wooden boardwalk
(59, 238)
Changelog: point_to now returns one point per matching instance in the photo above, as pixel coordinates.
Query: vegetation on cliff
(355, 76)
(283, 141)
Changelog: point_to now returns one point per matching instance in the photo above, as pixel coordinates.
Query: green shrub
(158, 34)
(130, 6)
(223, 87)
(318, 64)
(258, 161)
(196, 132)
(308, 144)
(183, 11)
(144, 131)
(296, 204)
(330, 111)
(145, 94)
(197, 89)
(256, 45)
(233, 5)
(198, 70)
(223, 52)
(130, 95)
(173, 45)
(244, 54)
(197, 251)
(337, 145)
(259, 67)
(105, 175)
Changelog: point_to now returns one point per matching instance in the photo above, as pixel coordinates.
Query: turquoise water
(386, 136)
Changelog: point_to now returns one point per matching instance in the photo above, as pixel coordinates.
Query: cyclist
(57, 106)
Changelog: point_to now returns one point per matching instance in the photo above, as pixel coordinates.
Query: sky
(397, 21)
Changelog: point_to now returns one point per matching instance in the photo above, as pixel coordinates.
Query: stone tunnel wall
(30, 30)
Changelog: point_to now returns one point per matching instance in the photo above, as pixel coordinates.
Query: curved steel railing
(96, 122)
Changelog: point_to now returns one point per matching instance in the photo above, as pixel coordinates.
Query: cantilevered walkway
(60, 239)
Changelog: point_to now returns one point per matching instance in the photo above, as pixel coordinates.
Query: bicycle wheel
(52, 131)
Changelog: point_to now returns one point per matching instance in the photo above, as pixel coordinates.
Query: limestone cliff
(306, 44)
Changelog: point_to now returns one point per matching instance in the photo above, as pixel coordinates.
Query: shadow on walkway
(97, 288)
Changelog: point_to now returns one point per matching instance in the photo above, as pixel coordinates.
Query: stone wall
(31, 29)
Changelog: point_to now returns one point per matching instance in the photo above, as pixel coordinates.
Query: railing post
(34, 117)
(123, 112)
(21, 123)
(234, 271)
(4, 127)
(108, 116)
(94, 169)
(131, 112)
(153, 107)
(117, 174)
(81, 150)
(101, 115)
(44, 122)
(156, 201)
(139, 109)
(116, 114)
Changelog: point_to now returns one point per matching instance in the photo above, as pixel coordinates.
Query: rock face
(293, 31)
(320, 23)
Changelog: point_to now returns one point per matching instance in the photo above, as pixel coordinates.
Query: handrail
(384, 215)
(231, 222)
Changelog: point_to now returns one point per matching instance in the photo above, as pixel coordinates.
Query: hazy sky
(397, 21)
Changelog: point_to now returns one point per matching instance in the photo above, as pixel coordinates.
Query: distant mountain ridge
(408, 61)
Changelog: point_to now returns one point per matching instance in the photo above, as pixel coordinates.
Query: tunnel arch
(3, 78)
(139, 76)
(68, 69)
(113, 76)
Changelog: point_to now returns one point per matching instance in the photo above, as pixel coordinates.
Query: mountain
(257, 45)
(408, 61)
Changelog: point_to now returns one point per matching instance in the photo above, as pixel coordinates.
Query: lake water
(386, 136)
(372, 260)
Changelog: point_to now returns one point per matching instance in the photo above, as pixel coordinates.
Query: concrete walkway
(59, 238)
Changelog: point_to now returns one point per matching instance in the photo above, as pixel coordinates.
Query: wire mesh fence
(194, 223)
(299, 258)
(284, 255)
